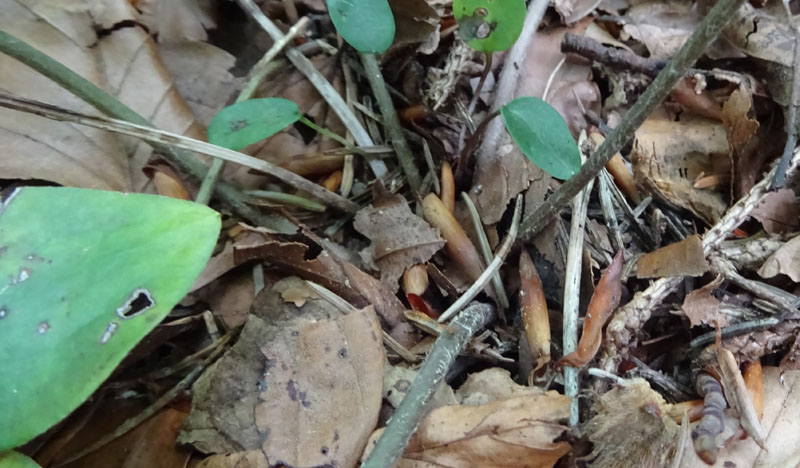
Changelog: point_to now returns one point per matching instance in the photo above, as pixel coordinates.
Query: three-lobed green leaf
(367, 25)
(85, 275)
(543, 136)
(489, 25)
(247, 122)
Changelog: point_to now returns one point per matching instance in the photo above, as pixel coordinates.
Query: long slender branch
(112, 107)
(391, 121)
(708, 29)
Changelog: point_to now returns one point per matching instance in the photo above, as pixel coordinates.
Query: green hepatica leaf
(543, 135)
(247, 122)
(16, 460)
(367, 25)
(489, 25)
(85, 275)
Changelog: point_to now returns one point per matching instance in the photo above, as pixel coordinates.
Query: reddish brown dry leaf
(701, 103)
(328, 270)
(668, 156)
(782, 429)
(786, 261)
(533, 308)
(400, 239)
(778, 212)
(604, 301)
(702, 308)
(513, 432)
(458, 247)
(619, 412)
(682, 258)
(123, 62)
(742, 131)
(301, 385)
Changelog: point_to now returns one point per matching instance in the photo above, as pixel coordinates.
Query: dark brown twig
(611, 56)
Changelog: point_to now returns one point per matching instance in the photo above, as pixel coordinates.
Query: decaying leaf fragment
(604, 301)
(517, 431)
(683, 258)
(400, 239)
(302, 386)
(650, 442)
(701, 307)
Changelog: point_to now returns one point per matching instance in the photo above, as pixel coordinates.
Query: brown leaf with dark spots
(604, 301)
(682, 258)
(302, 385)
(400, 239)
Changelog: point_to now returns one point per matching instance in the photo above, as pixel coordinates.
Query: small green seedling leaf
(489, 25)
(85, 275)
(14, 459)
(247, 122)
(543, 136)
(367, 25)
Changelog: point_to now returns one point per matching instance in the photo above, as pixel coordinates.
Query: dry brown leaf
(230, 296)
(328, 270)
(682, 258)
(177, 20)
(782, 429)
(703, 308)
(302, 385)
(649, 434)
(786, 261)
(217, 266)
(491, 385)
(123, 62)
(415, 22)
(400, 239)
(778, 212)
(668, 156)
(397, 381)
(512, 432)
(166, 181)
(742, 131)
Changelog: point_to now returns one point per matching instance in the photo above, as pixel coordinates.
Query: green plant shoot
(367, 25)
(543, 136)
(489, 25)
(84, 275)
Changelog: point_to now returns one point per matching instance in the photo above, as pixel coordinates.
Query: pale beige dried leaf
(302, 385)
(512, 432)
(682, 258)
(668, 156)
(397, 380)
(786, 261)
(702, 308)
(491, 385)
(178, 20)
(123, 62)
(780, 424)
(400, 239)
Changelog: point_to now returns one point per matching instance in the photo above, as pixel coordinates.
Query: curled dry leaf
(634, 405)
(517, 431)
(786, 261)
(533, 308)
(604, 301)
(459, 247)
(682, 258)
(668, 156)
(301, 385)
(490, 385)
(400, 239)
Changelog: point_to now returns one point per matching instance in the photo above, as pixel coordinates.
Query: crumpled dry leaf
(701, 307)
(415, 21)
(302, 385)
(516, 431)
(668, 156)
(778, 212)
(400, 239)
(651, 440)
(786, 261)
(492, 384)
(682, 258)
(781, 400)
(123, 62)
(329, 270)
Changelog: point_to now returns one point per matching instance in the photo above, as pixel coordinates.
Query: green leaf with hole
(85, 275)
(13, 459)
(543, 136)
(367, 25)
(489, 25)
(247, 122)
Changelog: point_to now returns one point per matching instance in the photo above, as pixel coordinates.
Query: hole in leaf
(306, 133)
(139, 301)
(481, 12)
